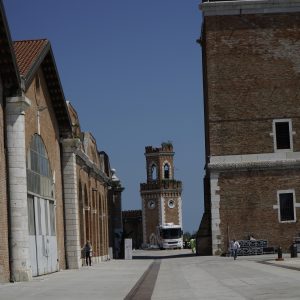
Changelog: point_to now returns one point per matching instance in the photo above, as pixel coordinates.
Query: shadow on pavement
(163, 256)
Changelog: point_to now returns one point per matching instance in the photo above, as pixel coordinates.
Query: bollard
(279, 252)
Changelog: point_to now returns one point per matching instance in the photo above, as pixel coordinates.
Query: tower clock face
(171, 203)
(151, 204)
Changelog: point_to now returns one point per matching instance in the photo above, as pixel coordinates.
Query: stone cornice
(240, 7)
(161, 192)
(260, 161)
(155, 154)
(72, 143)
(17, 105)
(258, 165)
(83, 160)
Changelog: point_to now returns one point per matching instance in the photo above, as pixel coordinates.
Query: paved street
(167, 275)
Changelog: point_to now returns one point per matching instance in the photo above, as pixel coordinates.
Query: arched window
(39, 175)
(166, 171)
(153, 172)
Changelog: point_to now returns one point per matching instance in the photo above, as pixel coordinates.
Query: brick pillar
(73, 248)
(19, 237)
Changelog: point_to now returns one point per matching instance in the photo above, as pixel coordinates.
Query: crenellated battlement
(161, 185)
(165, 147)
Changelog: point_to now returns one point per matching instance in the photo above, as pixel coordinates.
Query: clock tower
(161, 194)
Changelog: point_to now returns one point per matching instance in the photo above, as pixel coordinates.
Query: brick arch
(153, 167)
(167, 175)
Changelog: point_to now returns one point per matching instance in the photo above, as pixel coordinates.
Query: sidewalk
(107, 280)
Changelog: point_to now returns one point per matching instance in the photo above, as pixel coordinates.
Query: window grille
(39, 175)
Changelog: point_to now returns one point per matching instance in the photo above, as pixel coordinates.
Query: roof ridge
(31, 40)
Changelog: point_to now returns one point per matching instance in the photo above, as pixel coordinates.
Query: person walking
(88, 253)
(193, 245)
(236, 247)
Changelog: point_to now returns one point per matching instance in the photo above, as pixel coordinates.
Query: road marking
(144, 287)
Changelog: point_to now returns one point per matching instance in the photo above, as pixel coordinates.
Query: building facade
(161, 194)
(251, 73)
(54, 181)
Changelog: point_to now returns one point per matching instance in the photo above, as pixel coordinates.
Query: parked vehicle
(169, 236)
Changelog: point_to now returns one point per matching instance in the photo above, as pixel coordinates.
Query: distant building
(115, 223)
(251, 75)
(132, 227)
(161, 194)
(87, 182)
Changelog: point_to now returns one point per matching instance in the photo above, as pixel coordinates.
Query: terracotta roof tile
(27, 52)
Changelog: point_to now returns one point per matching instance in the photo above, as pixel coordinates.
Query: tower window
(153, 172)
(282, 134)
(166, 171)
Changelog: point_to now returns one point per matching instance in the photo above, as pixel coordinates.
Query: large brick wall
(49, 132)
(251, 67)
(246, 206)
(253, 72)
(172, 215)
(151, 216)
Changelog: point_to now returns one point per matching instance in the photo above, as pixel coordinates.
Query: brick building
(86, 193)
(54, 180)
(40, 120)
(161, 194)
(132, 226)
(251, 72)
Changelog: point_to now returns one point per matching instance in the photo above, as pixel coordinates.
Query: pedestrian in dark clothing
(88, 253)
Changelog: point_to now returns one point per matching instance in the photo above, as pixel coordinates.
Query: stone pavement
(107, 280)
(163, 275)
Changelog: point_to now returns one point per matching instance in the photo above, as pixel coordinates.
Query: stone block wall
(4, 254)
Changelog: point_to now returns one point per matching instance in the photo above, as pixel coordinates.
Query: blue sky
(132, 70)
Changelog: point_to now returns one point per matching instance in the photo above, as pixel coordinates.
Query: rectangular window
(282, 134)
(46, 216)
(286, 206)
(52, 217)
(31, 221)
(39, 212)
